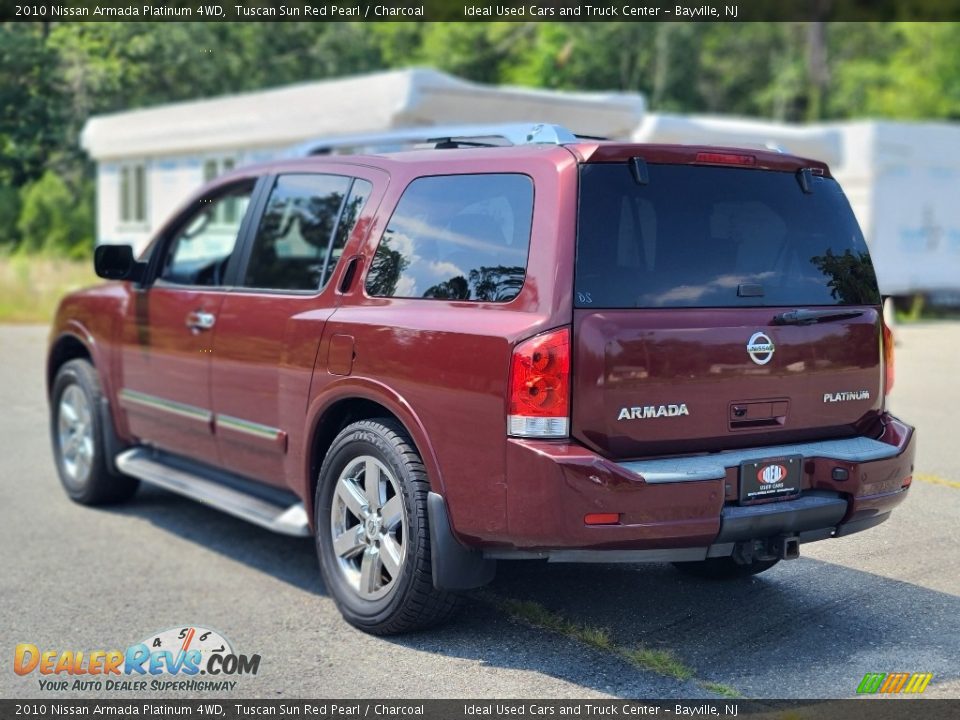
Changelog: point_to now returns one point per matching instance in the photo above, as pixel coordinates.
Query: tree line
(53, 76)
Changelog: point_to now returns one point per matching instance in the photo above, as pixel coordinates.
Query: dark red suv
(574, 351)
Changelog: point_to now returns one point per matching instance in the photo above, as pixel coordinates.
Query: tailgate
(670, 381)
(720, 307)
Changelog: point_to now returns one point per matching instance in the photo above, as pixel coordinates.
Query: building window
(212, 169)
(216, 166)
(133, 193)
(209, 170)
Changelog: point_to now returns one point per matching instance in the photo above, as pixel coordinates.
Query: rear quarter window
(698, 236)
(456, 237)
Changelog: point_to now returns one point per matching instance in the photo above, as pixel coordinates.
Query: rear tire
(372, 534)
(724, 568)
(78, 437)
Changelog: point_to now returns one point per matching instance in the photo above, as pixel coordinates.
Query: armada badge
(652, 411)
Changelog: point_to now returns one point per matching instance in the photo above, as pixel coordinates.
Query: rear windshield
(697, 236)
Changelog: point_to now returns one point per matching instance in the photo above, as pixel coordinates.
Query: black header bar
(469, 10)
(50, 708)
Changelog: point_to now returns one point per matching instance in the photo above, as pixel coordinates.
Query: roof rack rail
(441, 136)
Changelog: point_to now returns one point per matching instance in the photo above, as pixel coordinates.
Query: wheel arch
(68, 346)
(360, 400)
(77, 344)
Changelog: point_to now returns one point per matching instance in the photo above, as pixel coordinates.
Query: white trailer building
(150, 160)
(902, 180)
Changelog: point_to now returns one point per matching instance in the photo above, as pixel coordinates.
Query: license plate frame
(771, 478)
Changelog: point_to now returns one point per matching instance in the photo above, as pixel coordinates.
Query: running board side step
(143, 464)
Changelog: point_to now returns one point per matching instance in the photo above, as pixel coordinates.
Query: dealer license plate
(770, 478)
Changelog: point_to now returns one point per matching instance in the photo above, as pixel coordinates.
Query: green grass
(31, 286)
(661, 662)
(537, 615)
(917, 309)
(720, 689)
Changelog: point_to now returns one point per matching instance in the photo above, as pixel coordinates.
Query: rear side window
(697, 236)
(456, 237)
(305, 225)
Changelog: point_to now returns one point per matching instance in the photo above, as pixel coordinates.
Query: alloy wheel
(368, 527)
(75, 435)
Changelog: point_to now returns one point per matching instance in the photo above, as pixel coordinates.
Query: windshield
(699, 236)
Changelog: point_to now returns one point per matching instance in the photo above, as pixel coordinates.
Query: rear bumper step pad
(714, 466)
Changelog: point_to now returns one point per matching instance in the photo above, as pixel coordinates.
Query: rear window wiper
(809, 317)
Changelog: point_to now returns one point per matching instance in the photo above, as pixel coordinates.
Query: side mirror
(116, 262)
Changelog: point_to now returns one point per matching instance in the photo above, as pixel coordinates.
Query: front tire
(78, 436)
(724, 568)
(372, 533)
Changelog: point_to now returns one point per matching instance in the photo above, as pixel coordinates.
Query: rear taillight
(539, 400)
(887, 359)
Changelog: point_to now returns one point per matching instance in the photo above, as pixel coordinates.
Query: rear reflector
(726, 159)
(907, 482)
(525, 426)
(887, 360)
(601, 519)
(539, 399)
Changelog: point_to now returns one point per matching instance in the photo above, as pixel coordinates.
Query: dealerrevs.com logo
(188, 658)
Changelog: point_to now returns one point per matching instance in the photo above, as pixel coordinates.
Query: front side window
(204, 243)
(456, 237)
(304, 228)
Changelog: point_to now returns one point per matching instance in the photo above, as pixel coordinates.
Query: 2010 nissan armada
(561, 349)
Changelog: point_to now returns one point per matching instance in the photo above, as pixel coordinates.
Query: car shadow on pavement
(235, 538)
(806, 628)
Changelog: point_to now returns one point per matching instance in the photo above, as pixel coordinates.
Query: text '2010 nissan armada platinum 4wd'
(561, 349)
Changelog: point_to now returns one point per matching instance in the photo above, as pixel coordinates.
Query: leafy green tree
(9, 213)
(55, 220)
(913, 72)
(586, 56)
(31, 104)
(858, 57)
(475, 51)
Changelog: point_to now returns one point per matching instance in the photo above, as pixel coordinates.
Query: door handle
(200, 320)
(347, 280)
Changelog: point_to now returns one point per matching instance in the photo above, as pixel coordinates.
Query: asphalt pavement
(76, 578)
